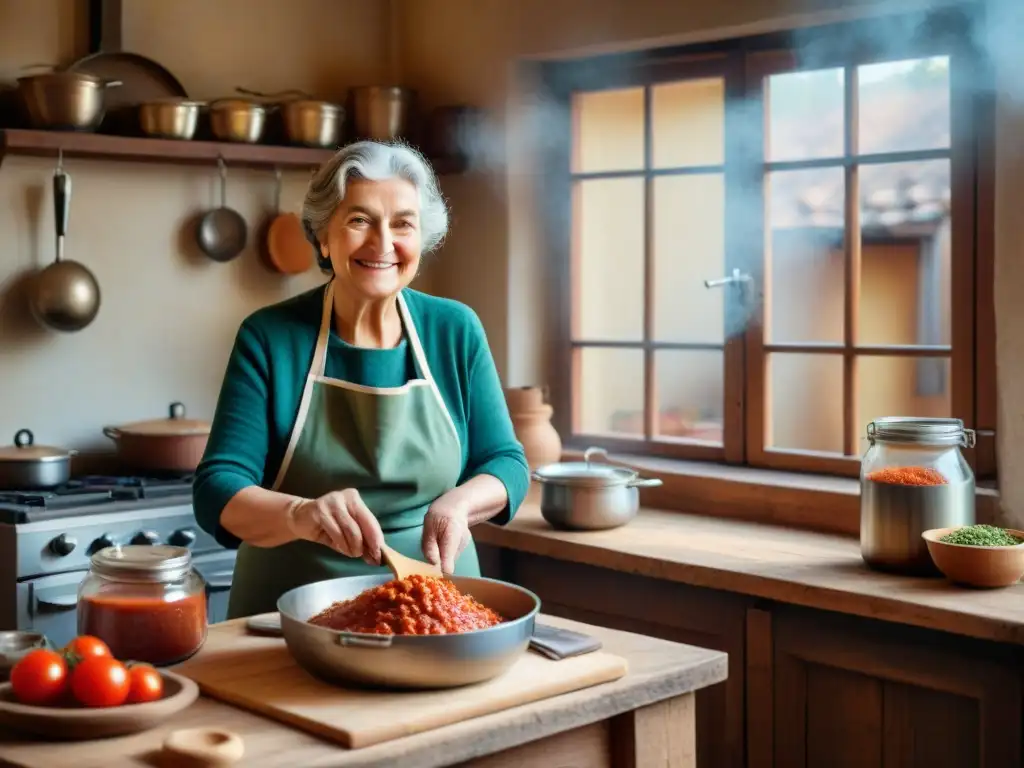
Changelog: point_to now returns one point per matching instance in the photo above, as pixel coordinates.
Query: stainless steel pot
(381, 113)
(27, 465)
(239, 120)
(170, 118)
(407, 661)
(64, 100)
(305, 121)
(587, 496)
(174, 444)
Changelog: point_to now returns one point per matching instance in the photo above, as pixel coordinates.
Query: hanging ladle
(222, 231)
(65, 296)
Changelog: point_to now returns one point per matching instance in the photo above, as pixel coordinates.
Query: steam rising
(536, 125)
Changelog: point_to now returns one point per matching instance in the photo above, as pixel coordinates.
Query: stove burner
(93, 490)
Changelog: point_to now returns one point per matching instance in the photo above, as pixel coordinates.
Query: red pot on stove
(174, 444)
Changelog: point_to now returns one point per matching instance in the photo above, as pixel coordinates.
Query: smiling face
(373, 240)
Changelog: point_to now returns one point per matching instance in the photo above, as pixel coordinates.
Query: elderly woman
(361, 413)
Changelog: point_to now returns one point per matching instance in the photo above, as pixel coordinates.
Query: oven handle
(219, 581)
(58, 602)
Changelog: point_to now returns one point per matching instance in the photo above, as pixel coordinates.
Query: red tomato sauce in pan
(418, 605)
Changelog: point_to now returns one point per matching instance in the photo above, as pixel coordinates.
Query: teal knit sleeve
(236, 453)
(493, 447)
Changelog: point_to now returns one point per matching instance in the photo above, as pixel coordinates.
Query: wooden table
(644, 719)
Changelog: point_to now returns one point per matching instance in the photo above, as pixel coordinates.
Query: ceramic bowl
(986, 567)
(78, 723)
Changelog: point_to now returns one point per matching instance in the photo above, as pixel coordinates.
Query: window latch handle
(736, 278)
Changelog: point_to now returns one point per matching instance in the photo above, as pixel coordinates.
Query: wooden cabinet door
(702, 617)
(859, 694)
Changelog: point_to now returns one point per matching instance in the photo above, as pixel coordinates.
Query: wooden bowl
(76, 724)
(987, 567)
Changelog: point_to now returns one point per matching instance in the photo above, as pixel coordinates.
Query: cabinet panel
(671, 611)
(849, 692)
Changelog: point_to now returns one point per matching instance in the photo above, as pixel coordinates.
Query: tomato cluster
(84, 672)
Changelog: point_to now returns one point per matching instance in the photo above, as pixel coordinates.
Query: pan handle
(112, 432)
(61, 207)
(369, 641)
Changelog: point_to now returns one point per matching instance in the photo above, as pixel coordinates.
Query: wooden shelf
(105, 147)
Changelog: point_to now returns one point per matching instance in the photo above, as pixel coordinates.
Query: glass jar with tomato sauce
(145, 602)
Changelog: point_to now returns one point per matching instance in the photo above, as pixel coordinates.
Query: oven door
(49, 604)
(217, 569)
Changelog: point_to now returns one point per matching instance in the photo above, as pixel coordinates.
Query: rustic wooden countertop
(816, 570)
(658, 670)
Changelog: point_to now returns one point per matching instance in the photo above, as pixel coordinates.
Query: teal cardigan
(266, 372)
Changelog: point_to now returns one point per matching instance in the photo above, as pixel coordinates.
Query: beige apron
(397, 446)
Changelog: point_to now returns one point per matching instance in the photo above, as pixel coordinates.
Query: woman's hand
(445, 534)
(339, 520)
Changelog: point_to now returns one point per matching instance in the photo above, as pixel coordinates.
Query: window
(767, 244)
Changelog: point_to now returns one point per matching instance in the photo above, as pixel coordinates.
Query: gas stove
(48, 536)
(82, 495)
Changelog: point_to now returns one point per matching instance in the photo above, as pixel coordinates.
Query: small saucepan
(175, 444)
(26, 465)
(589, 496)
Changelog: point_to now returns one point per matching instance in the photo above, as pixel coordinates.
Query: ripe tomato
(40, 677)
(100, 681)
(145, 684)
(85, 646)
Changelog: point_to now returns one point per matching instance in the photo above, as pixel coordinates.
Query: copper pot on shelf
(174, 444)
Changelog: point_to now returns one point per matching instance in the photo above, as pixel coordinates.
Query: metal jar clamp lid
(143, 563)
(912, 430)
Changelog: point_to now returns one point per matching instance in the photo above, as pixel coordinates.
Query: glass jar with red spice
(146, 602)
(914, 478)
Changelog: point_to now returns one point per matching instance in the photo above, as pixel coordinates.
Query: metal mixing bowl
(407, 661)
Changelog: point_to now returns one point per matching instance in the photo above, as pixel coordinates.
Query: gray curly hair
(374, 161)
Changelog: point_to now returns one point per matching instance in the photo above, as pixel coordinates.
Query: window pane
(805, 403)
(904, 105)
(688, 123)
(609, 234)
(611, 392)
(805, 263)
(690, 395)
(689, 248)
(609, 128)
(905, 254)
(805, 115)
(902, 386)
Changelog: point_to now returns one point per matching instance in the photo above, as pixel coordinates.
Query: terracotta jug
(531, 419)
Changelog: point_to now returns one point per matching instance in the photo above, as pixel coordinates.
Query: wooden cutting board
(257, 673)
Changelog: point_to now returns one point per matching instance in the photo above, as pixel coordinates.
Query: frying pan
(65, 296)
(286, 249)
(222, 231)
(142, 79)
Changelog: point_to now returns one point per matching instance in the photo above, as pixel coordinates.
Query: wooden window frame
(744, 64)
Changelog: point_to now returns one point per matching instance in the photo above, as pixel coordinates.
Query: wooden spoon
(203, 748)
(403, 567)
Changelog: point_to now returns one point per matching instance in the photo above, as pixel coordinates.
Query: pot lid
(586, 473)
(25, 449)
(175, 425)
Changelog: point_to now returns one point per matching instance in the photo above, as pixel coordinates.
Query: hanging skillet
(286, 249)
(65, 296)
(222, 232)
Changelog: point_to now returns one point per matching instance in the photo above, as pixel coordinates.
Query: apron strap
(421, 360)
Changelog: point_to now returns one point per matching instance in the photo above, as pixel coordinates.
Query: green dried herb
(982, 536)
